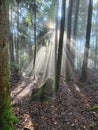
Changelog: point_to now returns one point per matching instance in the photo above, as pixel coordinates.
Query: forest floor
(69, 110)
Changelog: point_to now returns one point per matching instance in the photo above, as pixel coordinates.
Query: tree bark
(96, 46)
(56, 36)
(34, 37)
(11, 46)
(75, 33)
(68, 50)
(17, 39)
(5, 104)
(30, 52)
(59, 58)
(86, 52)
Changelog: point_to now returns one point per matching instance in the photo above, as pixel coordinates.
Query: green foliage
(94, 108)
(28, 19)
(8, 120)
(9, 117)
(38, 95)
(15, 66)
(6, 126)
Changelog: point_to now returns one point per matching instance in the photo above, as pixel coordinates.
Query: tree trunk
(30, 52)
(68, 50)
(11, 46)
(17, 39)
(86, 52)
(75, 33)
(96, 46)
(34, 37)
(56, 36)
(59, 58)
(5, 104)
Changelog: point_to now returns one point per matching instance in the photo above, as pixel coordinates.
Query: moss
(68, 78)
(44, 92)
(8, 120)
(94, 108)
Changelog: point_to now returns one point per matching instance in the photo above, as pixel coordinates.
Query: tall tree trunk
(96, 52)
(11, 46)
(75, 33)
(5, 104)
(17, 39)
(68, 50)
(34, 37)
(96, 46)
(86, 52)
(59, 58)
(30, 52)
(56, 36)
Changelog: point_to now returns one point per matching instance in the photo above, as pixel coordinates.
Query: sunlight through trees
(48, 50)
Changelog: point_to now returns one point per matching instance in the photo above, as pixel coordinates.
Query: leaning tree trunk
(86, 52)
(5, 104)
(59, 58)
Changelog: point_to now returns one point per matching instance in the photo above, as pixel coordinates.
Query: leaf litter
(67, 111)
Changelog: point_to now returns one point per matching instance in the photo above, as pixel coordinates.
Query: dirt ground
(69, 109)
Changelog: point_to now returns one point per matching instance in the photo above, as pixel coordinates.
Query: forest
(48, 64)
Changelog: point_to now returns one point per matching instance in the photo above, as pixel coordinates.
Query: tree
(11, 46)
(96, 46)
(34, 35)
(86, 52)
(68, 50)
(75, 27)
(59, 58)
(6, 121)
(56, 35)
(17, 38)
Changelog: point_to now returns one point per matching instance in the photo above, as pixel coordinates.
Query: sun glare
(50, 25)
(45, 62)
